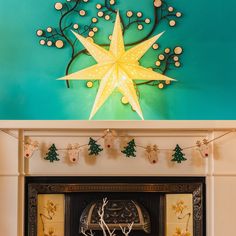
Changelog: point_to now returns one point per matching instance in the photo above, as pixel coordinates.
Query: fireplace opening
(155, 206)
(132, 203)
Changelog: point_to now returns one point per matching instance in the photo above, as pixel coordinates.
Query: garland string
(8, 132)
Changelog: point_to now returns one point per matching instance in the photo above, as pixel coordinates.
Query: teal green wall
(206, 87)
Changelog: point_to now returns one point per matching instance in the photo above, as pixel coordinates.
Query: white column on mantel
(21, 183)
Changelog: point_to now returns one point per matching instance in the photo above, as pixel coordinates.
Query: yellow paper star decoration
(116, 68)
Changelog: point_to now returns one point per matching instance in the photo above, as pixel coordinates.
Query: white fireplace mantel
(219, 169)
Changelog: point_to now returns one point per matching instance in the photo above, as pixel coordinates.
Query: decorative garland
(129, 150)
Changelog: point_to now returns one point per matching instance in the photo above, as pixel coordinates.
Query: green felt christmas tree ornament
(129, 150)
(52, 154)
(94, 148)
(178, 155)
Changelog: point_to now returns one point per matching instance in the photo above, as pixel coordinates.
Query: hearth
(65, 206)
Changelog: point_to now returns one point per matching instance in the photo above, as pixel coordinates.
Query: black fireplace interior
(149, 200)
(77, 201)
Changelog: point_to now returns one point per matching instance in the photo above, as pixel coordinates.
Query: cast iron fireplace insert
(145, 193)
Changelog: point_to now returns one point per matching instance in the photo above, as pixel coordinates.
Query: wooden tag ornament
(203, 148)
(109, 138)
(152, 153)
(30, 147)
(73, 153)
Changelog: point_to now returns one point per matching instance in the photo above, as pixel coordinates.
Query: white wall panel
(8, 154)
(224, 205)
(8, 205)
(225, 154)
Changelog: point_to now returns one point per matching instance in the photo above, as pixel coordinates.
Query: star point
(116, 68)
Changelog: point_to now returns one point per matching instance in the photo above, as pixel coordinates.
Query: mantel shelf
(204, 125)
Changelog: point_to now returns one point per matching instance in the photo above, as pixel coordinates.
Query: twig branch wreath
(74, 16)
(95, 148)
